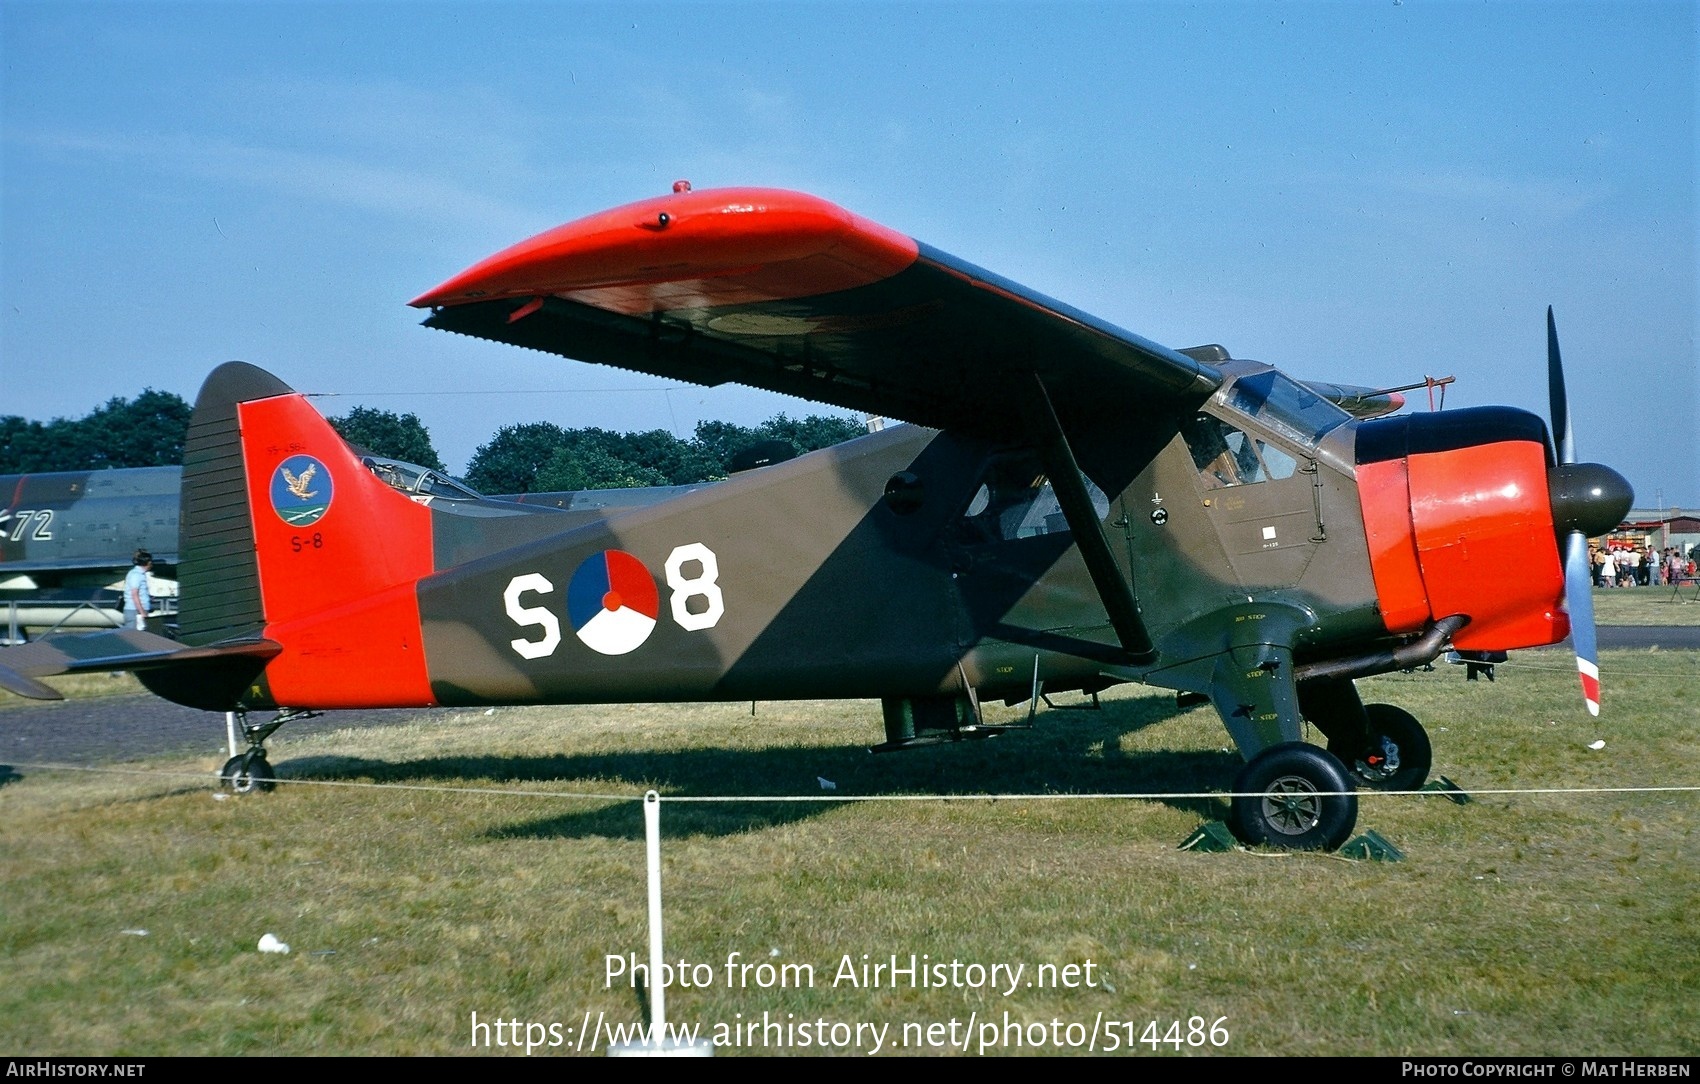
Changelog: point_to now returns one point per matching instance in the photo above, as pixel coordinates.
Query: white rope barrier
(836, 798)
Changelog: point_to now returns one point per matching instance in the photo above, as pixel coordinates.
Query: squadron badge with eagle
(301, 490)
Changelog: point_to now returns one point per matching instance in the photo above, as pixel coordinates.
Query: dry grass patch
(1519, 924)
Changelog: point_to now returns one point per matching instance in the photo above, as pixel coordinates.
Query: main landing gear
(1295, 796)
(250, 772)
(1383, 747)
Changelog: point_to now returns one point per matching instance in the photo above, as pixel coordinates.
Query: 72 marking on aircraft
(21, 520)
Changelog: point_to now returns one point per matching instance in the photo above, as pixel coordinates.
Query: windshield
(410, 478)
(1287, 407)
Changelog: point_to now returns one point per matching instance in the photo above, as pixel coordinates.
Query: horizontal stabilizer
(123, 649)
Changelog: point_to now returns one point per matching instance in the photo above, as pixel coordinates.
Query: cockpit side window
(1287, 407)
(1015, 500)
(1227, 456)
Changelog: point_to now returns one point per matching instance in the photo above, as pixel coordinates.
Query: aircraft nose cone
(1588, 497)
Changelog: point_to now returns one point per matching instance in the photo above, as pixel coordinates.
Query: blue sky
(1361, 192)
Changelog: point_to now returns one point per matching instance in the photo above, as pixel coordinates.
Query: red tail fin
(326, 530)
(289, 536)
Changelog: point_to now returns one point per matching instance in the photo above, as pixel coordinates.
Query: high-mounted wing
(788, 292)
(785, 291)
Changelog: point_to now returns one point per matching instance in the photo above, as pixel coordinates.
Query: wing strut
(1114, 590)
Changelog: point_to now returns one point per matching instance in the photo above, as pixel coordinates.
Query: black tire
(245, 774)
(1297, 797)
(1410, 748)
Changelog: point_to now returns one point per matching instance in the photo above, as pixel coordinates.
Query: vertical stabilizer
(289, 537)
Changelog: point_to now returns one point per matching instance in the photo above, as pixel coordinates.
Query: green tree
(594, 468)
(147, 431)
(392, 435)
(543, 457)
(813, 432)
(510, 461)
(720, 441)
(679, 462)
(24, 447)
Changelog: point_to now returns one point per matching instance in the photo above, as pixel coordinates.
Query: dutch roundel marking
(301, 490)
(612, 602)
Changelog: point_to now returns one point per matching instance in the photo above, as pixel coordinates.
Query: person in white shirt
(137, 598)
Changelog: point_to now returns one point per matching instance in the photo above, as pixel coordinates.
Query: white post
(657, 989)
(230, 731)
(657, 1045)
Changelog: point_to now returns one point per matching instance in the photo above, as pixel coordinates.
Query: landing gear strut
(250, 772)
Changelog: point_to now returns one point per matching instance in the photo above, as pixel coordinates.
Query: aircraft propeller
(1588, 500)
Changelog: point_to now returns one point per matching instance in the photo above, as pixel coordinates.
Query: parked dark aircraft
(67, 539)
(1074, 506)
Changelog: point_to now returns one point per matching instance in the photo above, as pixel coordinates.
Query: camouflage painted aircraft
(1073, 506)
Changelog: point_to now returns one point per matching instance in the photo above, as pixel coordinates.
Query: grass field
(1646, 606)
(1528, 923)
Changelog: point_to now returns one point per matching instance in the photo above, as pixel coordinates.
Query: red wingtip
(689, 247)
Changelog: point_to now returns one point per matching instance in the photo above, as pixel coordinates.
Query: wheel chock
(1212, 837)
(1446, 787)
(1373, 847)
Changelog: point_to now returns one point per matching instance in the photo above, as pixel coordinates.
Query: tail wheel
(1398, 756)
(247, 774)
(1294, 796)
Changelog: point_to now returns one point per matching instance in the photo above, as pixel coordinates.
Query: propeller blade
(1562, 434)
(1579, 600)
(1578, 574)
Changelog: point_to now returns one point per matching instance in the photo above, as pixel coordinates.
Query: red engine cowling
(1459, 521)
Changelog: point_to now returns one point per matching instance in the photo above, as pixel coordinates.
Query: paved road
(115, 728)
(112, 728)
(1645, 636)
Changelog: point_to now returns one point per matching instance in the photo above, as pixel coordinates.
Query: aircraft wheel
(247, 774)
(1399, 755)
(1296, 796)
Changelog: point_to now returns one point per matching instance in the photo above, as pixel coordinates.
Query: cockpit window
(1286, 406)
(417, 481)
(1226, 456)
(1016, 500)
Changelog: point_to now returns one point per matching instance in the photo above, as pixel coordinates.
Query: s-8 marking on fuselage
(1071, 506)
(612, 601)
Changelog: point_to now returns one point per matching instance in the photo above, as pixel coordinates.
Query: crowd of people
(1640, 567)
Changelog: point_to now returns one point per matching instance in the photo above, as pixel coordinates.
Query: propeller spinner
(1587, 500)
